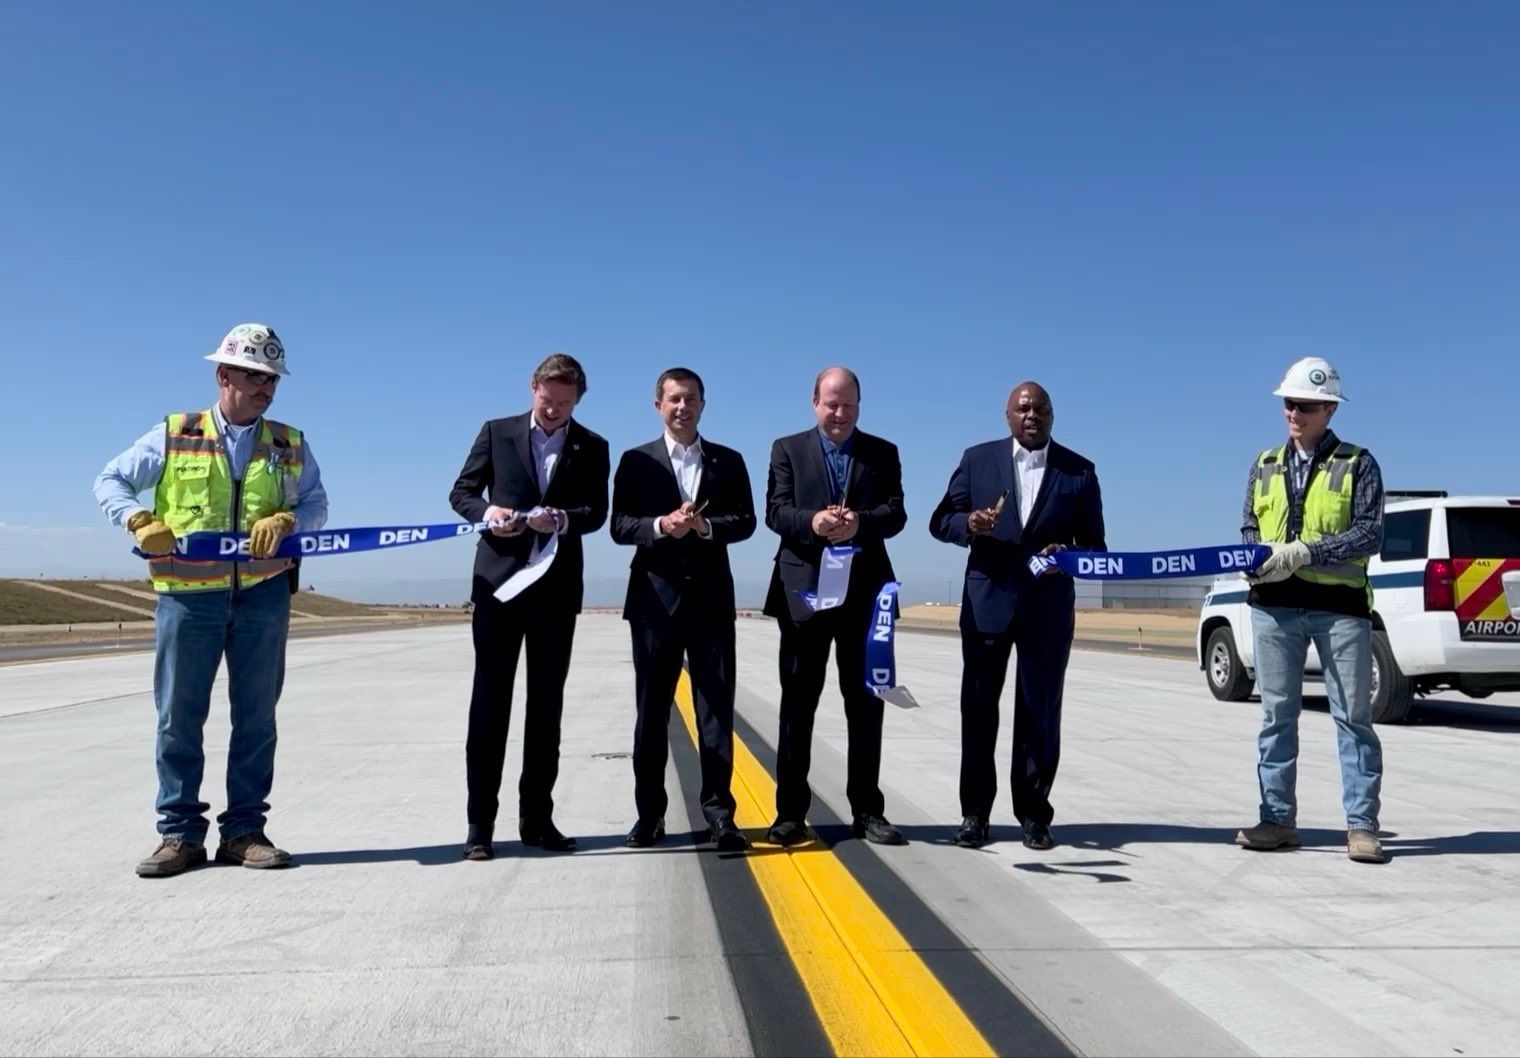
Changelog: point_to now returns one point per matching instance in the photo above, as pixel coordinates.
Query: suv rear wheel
(1227, 677)
(1392, 691)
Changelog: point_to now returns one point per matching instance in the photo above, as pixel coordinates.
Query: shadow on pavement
(427, 855)
(1112, 837)
(435, 855)
(1464, 713)
(1461, 713)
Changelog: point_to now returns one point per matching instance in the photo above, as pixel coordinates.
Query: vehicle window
(1406, 534)
(1484, 532)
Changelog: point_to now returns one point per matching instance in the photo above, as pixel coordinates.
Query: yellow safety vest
(1327, 509)
(197, 493)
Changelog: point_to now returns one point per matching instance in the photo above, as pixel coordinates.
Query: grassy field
(21, 604)
(326, 606)
(96, 589)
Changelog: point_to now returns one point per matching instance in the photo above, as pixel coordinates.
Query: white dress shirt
(686, 465)
(547, 448)
(1028, 472)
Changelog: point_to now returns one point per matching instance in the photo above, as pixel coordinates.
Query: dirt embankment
(57, 611)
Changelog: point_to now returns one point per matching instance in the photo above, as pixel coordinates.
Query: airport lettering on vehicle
(1504, 629)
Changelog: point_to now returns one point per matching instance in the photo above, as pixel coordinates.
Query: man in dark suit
(544, 475)
(1008, 502)
(681, 500)
(831, 484)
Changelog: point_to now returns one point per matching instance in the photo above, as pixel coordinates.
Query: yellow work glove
(153, 536)
(267, 533)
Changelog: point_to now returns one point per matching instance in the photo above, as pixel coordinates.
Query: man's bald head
(838, 375)
(836, 402)
(1030, 415)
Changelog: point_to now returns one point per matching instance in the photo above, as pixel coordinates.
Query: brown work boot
(1264, 837)
(173, 856)
(1363, 846)
(252, 850)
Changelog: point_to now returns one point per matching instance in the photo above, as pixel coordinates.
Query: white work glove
(1285, 560)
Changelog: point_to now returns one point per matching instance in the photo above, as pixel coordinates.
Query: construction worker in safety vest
(1317, 502)
(225, 469)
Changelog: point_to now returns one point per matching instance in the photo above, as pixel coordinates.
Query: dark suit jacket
(500, 465)
(1068, 510)
(800, 486)
(666, 573)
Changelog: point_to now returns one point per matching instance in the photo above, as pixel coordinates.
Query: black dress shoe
(1037, 836)
(787, 832)
(477, 844)
(972, 833)
(544, 836)
(877, 830)
(646, 832)
(727, 836)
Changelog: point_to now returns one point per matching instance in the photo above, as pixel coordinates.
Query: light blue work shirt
(138, 469)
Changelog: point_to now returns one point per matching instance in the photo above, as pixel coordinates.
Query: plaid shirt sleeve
(1249, 531)
(1365, 537)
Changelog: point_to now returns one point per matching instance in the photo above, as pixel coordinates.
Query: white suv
(1445, 607)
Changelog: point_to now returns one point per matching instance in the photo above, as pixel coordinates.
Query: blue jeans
(194, 630)
(1345, 650)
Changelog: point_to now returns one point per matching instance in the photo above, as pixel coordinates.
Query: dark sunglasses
(1304, 407)
(258, 378)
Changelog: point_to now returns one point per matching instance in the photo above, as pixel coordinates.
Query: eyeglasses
(1304, 407)
(258, 378)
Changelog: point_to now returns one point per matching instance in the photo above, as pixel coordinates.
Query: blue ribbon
(881, 658)
(234, 547)
(1154, 565)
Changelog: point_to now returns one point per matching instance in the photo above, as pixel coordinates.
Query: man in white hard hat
(1318, 503)
(226, 469)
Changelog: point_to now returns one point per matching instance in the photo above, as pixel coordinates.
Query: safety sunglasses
(258, 378)
(1304, 407)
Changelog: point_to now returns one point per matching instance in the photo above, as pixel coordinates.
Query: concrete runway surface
(1145, 931)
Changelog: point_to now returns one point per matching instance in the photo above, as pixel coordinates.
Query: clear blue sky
(1152, 209)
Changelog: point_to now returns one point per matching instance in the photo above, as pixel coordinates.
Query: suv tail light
(1440, 576)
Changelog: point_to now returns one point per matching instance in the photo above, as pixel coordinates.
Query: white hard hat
(1311, 379)
(253, 347)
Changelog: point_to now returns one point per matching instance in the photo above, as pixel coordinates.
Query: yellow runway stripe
(871, 991)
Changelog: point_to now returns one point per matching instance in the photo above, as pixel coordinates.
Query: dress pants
(659, 644)
(804, 667)
(500, 630)
(1044, 646)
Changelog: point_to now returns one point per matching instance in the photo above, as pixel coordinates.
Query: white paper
(538, 564)
(833, 577)
(899, 696)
